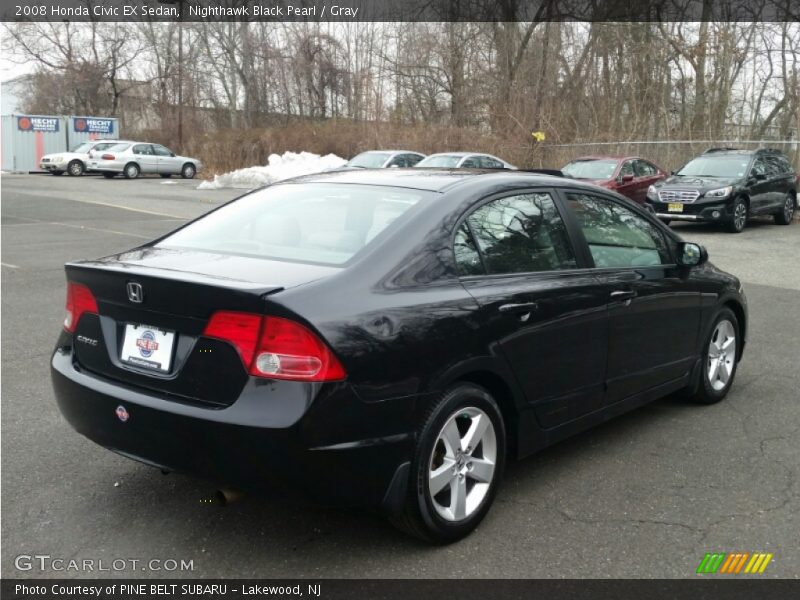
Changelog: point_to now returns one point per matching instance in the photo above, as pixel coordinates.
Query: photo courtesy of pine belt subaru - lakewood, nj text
(390, 338)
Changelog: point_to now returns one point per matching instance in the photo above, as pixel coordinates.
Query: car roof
(607, 157)
(461, 154)
(391, 152)
(429, 179)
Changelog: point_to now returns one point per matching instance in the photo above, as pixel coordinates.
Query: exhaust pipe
(227, 496)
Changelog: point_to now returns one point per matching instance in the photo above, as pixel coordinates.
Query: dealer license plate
(148, 347)
(675, 207)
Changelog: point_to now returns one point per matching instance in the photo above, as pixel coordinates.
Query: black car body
(414, 312)
(732, 185)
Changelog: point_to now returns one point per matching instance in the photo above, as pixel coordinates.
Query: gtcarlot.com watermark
(46, 562)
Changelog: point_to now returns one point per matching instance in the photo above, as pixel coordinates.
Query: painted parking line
(9, 265)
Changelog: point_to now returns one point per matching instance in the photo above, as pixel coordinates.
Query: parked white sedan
(464, 160)
(74, 162)
(137, 158)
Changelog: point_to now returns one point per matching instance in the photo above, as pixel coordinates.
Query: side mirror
(626, 178)
(691, 255)
(172, 154)
(760, 176)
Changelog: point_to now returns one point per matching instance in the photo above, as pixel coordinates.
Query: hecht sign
(37, 123)
(84, 125)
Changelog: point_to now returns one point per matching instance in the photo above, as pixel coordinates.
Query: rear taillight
(276, 348)
(79, 300)
(108, 157)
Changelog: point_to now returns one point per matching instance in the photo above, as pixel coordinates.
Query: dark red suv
(626, 175)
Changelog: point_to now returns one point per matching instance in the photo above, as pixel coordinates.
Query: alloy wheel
(740, 216)
(76, 169)
(721, 355)
(462, 464)
(788, 209)
(188, 172)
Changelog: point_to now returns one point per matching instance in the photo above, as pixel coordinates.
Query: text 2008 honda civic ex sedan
(391, 338)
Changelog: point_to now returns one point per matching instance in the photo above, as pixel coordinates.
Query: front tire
(75, 168)
(188, 171)
(739, 216)
(786, 214)
(131, 171)
(720, 359)
(457, 466)
(57, 173)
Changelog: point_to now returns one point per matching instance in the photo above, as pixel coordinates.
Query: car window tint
(522, 234)
(161, 151)
(774, 166)
(759, 167)
(617, 236)
(487, 162)
(412, 159)
(645, 169)
(468, 261)
(311, 222)
(627, 168)
(471, 162)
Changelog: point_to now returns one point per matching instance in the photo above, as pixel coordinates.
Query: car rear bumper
(217, 445)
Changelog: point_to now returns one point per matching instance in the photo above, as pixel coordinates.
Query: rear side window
(515, 234)
(309, 222)
(617, 236)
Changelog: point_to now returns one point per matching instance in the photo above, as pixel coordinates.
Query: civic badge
(135, 292)
(122, 413)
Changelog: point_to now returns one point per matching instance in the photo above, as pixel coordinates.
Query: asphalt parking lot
(646, 495)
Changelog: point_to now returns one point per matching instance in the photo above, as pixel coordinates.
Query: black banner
(349, 589)
(400, 11)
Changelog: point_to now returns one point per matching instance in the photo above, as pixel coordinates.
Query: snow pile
(289, 164)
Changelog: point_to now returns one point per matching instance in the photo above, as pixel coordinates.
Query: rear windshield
(309, 222)
(369, 160)
(733, 165)
(590, 169)
(446, 160)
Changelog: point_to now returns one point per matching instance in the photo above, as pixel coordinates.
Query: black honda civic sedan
(391, 338)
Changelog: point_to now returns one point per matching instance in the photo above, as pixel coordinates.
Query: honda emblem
(135, 292)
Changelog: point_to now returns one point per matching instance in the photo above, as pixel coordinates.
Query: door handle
(519, 308)
(622, 295)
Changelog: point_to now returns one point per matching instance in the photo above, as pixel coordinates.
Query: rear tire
(786, 214)
(188, 171)
(57, 173)
(720, 359)
(461, 450)
(75, 168)
(739, 219)
(131, 171)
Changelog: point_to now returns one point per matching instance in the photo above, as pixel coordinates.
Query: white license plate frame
(147, 347)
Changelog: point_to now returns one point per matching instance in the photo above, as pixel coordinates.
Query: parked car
(630, 176)
(390, 338)
(134, 158)
(75, 161)
(384, 159)
(728, 185)
(464, 160)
